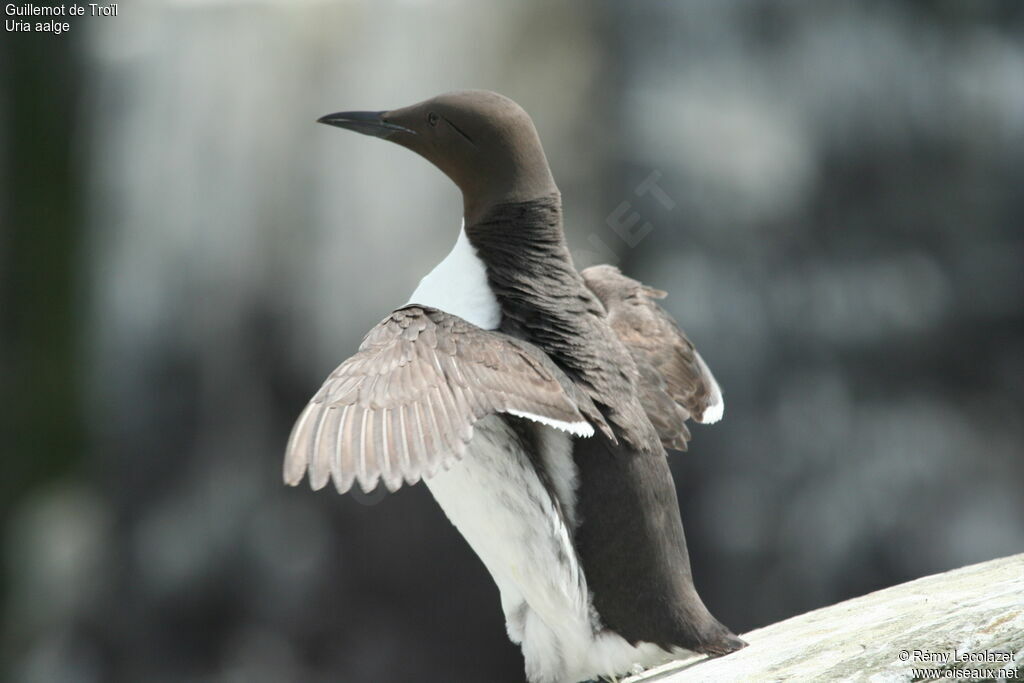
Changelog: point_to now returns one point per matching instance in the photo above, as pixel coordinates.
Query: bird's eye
(433, 118)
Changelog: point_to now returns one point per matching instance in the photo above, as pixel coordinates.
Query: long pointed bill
(365, 122)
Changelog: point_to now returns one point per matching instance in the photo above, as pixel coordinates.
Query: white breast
(458, 285)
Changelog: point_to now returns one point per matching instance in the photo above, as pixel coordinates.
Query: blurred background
(185, 255)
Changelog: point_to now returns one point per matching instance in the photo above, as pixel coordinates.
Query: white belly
(496, 499)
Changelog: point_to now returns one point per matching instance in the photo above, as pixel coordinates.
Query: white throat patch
(458, 285)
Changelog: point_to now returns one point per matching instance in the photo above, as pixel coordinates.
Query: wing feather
(405, 404)
(676, 383)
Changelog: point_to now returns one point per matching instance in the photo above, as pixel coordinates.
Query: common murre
(536, 404)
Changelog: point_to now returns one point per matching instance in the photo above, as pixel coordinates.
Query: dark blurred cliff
(184, 256)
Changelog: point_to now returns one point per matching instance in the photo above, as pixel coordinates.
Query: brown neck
(523, 178)
(518, 239)
(542, 297)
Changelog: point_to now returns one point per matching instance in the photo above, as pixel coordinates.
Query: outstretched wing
(676, 384)
(405, 404)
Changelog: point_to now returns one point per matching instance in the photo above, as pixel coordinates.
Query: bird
(537, 403)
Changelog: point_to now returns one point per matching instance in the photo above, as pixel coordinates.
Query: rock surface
(941, 623)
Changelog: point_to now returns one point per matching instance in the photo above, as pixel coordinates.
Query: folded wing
(405, 404)
(676, 383)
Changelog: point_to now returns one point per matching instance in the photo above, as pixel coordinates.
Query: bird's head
(483, 141)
